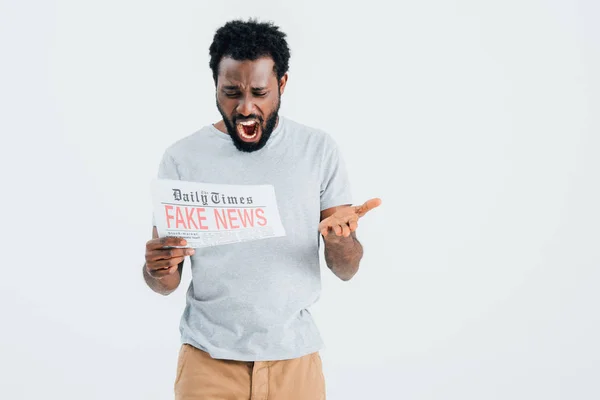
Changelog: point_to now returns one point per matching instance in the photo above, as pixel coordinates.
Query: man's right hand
(162, 260)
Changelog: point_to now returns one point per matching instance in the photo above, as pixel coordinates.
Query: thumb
(368, 206)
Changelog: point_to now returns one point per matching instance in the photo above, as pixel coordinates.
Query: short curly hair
(250, 40)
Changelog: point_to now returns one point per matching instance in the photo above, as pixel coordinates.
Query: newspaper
(215, 214)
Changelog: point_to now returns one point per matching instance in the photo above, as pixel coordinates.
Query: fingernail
(191, 251)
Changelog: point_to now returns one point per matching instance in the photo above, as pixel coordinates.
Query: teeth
(247, 136)
(243, 134)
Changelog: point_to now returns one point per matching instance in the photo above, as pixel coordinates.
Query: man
(246, 330)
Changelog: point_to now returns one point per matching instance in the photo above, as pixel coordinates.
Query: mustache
(235, 119)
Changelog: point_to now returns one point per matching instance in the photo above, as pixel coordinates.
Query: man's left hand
(345, 221)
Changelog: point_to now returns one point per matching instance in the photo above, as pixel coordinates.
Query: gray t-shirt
(249, 301)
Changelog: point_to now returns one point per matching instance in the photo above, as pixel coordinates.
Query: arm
(338, 225)
(342, 254)
(163, 268)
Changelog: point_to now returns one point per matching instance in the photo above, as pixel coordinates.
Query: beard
(266, 128)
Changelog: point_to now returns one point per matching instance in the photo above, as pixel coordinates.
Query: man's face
(248, 98)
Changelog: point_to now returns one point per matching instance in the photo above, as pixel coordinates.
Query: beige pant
(201, 377)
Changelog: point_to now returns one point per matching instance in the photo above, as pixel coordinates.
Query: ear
(283, 82)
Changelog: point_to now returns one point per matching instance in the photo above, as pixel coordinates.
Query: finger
(345, 230)
(165, 254)
(338, 230)
(161, 273)
(166, 241)
(325, 226)
(160, 264)
(367, 206)
(353, 225)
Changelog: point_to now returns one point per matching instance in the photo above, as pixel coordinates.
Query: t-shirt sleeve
(335, 186)
(167, 169)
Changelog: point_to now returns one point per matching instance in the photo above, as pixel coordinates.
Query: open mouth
(248, 130)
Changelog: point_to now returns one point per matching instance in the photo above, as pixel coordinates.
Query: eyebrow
(235, 87)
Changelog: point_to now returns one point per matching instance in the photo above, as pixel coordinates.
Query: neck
(221, 126)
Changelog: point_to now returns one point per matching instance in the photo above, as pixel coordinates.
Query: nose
(245, 106)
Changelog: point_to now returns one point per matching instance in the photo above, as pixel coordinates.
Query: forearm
(343, 255)
(165, 285)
